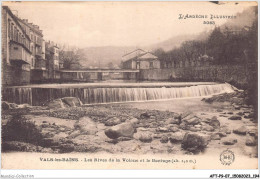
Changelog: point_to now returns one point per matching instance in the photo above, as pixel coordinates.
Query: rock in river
(191, 120)
(251, 115)
(164, 139)
(173, 121)
(229, 141)
(121, 130)
(144, 136)
(185, 114)
(64, 102)
(5, 105)
(162, 129)
(55, 104)
(241, 130)
(251, 141)
(177, 137)
(207, 127)
(225, 129)
(194, 142)
(214, 122)
(172, 128)
(235, 118)
(144, 115)
(86, 126)
(112, 121)
(215, 136)
(133, 121)
(253, 132)
(194, 129)
(71, 101)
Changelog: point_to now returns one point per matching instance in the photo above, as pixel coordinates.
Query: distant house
(140, 59)
(52, 55)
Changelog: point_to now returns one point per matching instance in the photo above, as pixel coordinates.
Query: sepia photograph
(129, 85)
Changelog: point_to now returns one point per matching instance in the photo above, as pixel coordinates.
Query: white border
(126, 173)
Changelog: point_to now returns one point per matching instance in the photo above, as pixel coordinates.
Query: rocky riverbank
(119, 128)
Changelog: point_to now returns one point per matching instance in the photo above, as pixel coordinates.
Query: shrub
(21, 129)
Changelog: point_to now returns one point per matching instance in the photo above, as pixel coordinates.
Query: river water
(98, 93)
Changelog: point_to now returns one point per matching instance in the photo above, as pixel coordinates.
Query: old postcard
(129, 85)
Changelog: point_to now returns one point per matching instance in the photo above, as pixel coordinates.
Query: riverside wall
(236, 74)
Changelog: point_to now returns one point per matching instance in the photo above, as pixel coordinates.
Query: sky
(86, 24)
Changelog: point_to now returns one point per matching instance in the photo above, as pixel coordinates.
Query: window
(12, 31)
(15, 48)
(151, 65)
(16, 35)
(32, 62)
(137, 65)
(19, 37)
(56, 62)
(9, 28)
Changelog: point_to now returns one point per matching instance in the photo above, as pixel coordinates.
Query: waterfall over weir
(89, 95)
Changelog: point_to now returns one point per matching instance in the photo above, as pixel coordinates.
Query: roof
(38, 31)
(133, 52)
(15, 20)
(148, 55)
(139, 54)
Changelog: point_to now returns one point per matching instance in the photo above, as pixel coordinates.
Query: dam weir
(38, 95)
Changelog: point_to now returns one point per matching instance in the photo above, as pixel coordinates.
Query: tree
(192, 50)
(160, 53)
(215, 45)
(70, 57)
(110, 65)
(252, 64)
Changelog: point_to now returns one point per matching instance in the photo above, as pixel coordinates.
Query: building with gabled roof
(140, 59)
